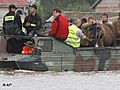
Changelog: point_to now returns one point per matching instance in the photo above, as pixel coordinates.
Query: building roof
(95, 4)
(6, 3)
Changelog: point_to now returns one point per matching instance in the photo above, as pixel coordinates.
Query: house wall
(108, 6)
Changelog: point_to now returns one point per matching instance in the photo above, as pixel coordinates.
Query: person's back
(73, 40)
(59, 26)
(12, 24)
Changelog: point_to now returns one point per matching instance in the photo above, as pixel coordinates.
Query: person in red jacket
(28, 48)
(59, 26)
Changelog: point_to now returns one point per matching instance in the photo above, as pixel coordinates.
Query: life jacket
(60, 28)
(25, 50)
(72, 39)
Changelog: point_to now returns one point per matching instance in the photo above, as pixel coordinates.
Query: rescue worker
(28, 48)
(33, 21)
(75, 34)
(59, 26)
(12, 23)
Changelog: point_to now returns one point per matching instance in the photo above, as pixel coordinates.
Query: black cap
(12, 6)
(34, 6)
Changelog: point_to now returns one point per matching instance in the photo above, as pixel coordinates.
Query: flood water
(30, 80)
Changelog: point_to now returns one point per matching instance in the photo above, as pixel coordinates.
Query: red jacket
(60, 27)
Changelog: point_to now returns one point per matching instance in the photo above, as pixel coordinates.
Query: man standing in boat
(33, 21)
(12, 24)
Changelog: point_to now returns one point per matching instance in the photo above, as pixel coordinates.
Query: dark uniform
(10, 17)
(35, 24)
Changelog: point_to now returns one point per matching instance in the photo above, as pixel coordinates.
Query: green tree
(40, 8)
(47, 6)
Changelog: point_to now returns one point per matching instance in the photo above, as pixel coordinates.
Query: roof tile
(16, 2)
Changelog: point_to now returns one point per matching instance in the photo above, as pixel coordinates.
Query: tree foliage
(68, 5)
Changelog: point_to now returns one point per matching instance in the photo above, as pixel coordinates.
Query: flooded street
(29, 80)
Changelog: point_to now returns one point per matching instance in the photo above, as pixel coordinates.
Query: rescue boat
(53, 55)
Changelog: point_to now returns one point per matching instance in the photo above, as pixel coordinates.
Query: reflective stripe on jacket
(33, 25)
(72, 39)
(9, 18)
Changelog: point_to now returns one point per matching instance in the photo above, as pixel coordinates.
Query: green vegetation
(40, 8)
(46, 6)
